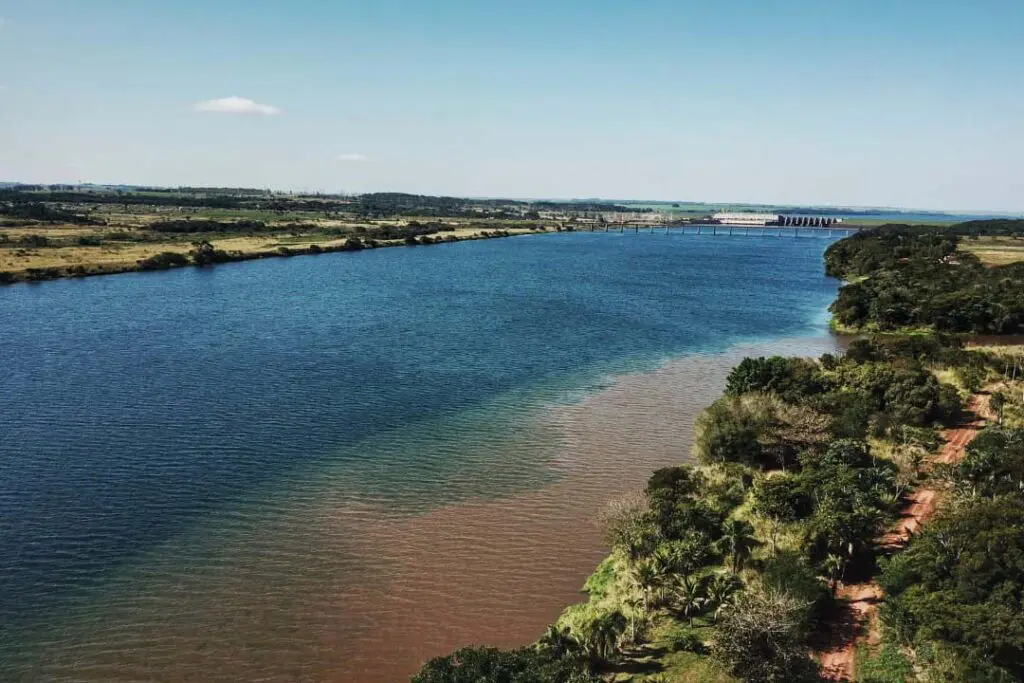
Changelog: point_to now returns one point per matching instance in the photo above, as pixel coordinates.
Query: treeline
(906, 277)
(956, 594)
(383, 204)
(45, 213)
(372, 205)
(803, 464)
(83, 197)
(196, 226)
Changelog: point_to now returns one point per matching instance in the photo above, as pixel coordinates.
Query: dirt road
(859, 602)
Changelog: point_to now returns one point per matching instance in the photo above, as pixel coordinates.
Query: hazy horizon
(794, 103)
(608, 200)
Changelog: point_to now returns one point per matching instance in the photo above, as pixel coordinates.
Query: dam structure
(765, 219)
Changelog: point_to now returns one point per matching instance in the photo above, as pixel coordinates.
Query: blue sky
(915, 103)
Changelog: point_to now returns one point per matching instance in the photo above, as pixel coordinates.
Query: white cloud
(236, 105)
(351, 156)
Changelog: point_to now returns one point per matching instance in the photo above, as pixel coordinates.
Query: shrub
(490, 665)
(760, 639)
(205, 254)
(687, 641)
(163, 261)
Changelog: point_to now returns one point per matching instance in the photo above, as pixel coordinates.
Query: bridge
(715, 229)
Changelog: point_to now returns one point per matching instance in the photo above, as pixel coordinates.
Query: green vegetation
(887, 664)
(955, 594)
(902, 277)
(70, 231)
(489, 665)
(725, 571)
(735, 562)
(40, 200)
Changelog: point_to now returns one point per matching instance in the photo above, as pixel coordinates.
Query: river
(332, 468)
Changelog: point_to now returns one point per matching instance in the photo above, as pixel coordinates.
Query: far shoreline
(38, 275)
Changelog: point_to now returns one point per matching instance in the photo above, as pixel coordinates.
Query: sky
(909, 103)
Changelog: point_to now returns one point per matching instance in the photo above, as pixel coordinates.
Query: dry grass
(128, 253)
(117, 256)
(995, 251)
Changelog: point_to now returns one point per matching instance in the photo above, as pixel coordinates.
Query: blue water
(136, 407)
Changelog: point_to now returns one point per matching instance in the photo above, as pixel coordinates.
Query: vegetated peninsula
(854, 517)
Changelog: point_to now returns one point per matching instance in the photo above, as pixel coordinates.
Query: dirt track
(859, 602)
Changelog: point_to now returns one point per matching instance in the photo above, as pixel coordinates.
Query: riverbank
(733, 569)
(726, 570)
(28, 264)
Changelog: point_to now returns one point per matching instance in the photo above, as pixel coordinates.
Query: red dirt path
(858, 603)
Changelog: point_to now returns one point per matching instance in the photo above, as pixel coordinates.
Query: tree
(490, 665)
(627, 526)
(959, 588)
(682, 556)
(760, 639)
(559, 643)
(993, 465)
(730, 430)
(647, 581)
(790, 378)
(737, 542)
(721, 589)
(689, 596)
(204, 254)
(782, 497)
(679, 506)
(601, 635)
(835, 567)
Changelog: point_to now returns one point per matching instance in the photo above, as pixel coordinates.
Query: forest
(901, 277)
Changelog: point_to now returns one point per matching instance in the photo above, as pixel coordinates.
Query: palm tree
(648, 581)
(639, 621)
(689, 596)
(601, 638)
(670, 558)
(559, 642)
(738, 541)
(834, 566)
(720, 591)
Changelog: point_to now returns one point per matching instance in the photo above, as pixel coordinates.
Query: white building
(728, 218)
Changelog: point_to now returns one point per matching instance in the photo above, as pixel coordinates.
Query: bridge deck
(717, 229)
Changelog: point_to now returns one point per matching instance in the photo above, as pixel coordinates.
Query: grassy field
(45, 251)
(995, 251)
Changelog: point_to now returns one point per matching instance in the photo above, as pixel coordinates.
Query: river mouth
(326, 488)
